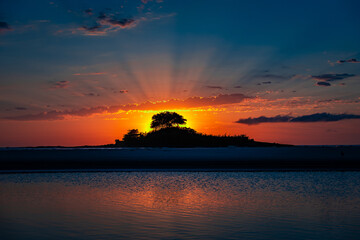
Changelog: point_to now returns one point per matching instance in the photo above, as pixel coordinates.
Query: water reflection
(172, 205)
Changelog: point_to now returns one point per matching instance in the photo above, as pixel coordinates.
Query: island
(167, 131)
(172, 146)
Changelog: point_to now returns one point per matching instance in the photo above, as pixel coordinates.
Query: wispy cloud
(329, 77)
(317, 117)
(262, 83)
(325, 79)
(121, 91)
(214, 87)
(273, 76)
(323, 84)
(88, 11)
(101, 23)
(91, 94)
(106, 23)
(189, 103)
(60, 84)
(89, 74)
(352, 60)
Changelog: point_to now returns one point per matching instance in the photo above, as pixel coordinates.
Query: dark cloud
(60, 84)
(323, 84)
(262, 83)
(317, 117)
(4, 26)
(92, 29)
(21, 108)
(123, 23)
(123, 91)
(238, 86)
(262, 119)
(324, 79)
(89, 11)
(324, 117)
(272, 76)
(352, 60)
(59, 115)
(101, 16)
(107, 22)
(101, 23)
(91, 94)
(329, 77)
(89, 74)
(214, 87)
(193, 102)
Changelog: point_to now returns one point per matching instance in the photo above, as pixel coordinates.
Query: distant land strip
(344, 158)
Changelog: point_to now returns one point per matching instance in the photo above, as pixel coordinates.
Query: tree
(166, 120)
(131, 136)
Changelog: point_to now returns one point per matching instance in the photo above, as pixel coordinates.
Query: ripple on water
(178, 205)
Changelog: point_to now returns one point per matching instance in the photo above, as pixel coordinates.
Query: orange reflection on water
(168, 205)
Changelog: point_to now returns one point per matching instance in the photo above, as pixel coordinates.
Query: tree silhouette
(166, 120)
(131, 136)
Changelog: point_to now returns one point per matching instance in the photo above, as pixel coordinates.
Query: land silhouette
(168, 131)
(184, 149)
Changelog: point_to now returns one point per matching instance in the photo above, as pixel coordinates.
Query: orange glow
(104, 124)
(105, 128)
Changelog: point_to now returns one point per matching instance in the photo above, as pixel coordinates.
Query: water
(180, 205)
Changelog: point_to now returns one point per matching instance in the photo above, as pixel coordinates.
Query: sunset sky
(84, 72)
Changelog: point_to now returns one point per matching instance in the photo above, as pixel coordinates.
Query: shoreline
(304, 158)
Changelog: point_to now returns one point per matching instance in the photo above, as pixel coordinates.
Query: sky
(84, 72)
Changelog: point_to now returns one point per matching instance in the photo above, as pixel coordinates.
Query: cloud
(93, 29)
(60, 84)
(121, 91)
(91, 94)
(21, 108)
(329, 77)
(192, 102)
(89, 74)
(272, 76)
(323, 84)
(317, 117)
(122, 23)
(107, 22)
(59, 115)
(111, 20)
(4, 27)
(88, 11)
(238, 86)
(352, 60)
(324, 79)
(262, 83)
(262, 119)
(214, 87)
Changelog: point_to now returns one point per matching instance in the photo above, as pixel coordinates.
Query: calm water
(180, 205)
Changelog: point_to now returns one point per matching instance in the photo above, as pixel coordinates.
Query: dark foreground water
(180, 205)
